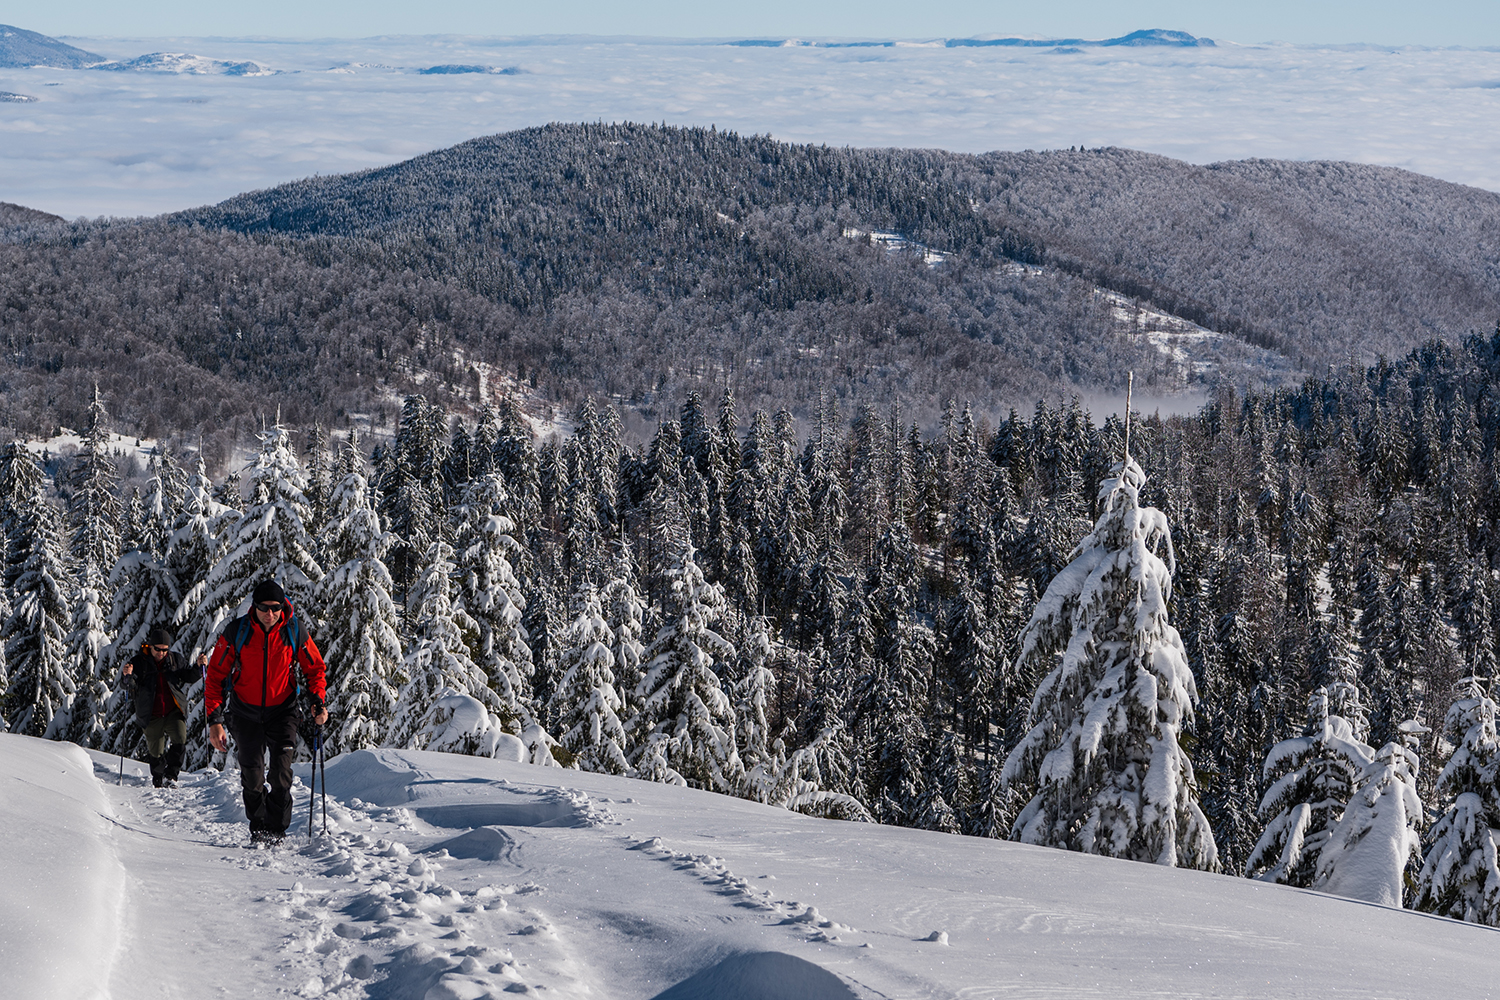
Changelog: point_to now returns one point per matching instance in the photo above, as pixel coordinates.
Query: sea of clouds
(179, 132)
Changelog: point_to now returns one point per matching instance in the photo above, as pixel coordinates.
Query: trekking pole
(323, 767)
(122, 768)
(313, 779)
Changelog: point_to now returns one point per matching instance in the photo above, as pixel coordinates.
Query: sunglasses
(267, 607)
(162, 649)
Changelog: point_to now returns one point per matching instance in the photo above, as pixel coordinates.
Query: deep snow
(454, 877)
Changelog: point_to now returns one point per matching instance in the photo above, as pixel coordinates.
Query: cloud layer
(100, 143)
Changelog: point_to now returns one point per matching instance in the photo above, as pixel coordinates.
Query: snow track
(355, 912)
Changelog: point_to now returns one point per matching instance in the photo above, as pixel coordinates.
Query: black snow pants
(258, 733)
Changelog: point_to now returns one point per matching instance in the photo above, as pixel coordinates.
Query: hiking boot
(172, 765)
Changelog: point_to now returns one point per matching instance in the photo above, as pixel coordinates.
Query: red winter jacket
(265, 662)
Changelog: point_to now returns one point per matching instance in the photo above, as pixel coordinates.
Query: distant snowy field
(170, 132)
(456, 878)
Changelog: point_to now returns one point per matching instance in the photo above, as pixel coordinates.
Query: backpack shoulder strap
(237, 633)
(293, 634)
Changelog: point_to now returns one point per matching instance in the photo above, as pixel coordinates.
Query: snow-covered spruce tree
(1460, 876)
(196, 545)
(411, 490)
(34, 633)
(894, 694)
(440, 654)
(94, 511)
(83, 721)
(1102, 759)
(458, 723)
(625, 613)
(359, 619)
(270, 540)
(94, 507)
(165, 493)
(485, 554)
(1367, 854)
(943, 798)
(586, 703)
(684, 710)
(21, 478)
(755, 687)
(191, 554)
(1309, 783)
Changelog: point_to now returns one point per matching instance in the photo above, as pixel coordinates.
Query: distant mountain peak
(1144, 37)
(20, 48)
(185, 63)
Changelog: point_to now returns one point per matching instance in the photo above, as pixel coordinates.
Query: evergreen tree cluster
(1262, 642)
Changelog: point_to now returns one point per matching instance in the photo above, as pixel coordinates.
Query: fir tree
(683, 707)
(38, 684)
(411, 487)
(94, 508)
(896, 693)
(1311, 779)
(359, 616)
(1102, 755)
(439, 657)
(754, 688)
(1367, 854)
(587, 705)
(491, 594)
(625, 614)
(146, 596)
(1460, 876)
(270, 540)
(83, 722)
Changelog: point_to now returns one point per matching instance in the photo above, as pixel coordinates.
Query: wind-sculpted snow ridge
(65, 848)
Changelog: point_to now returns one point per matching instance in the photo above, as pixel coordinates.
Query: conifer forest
(1259, 638)
(1242, 649)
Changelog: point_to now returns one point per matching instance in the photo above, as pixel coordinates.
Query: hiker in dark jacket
(275, 657)
(158, 678)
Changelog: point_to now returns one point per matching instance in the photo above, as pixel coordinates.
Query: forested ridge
(854, 620)
(637, 263)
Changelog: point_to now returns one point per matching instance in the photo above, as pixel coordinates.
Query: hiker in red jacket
(262, 711)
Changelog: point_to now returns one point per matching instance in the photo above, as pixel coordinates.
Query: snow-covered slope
(453, 877)
(19, 47)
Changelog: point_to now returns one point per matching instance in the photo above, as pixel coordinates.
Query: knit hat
(158, 637)
(268, 592)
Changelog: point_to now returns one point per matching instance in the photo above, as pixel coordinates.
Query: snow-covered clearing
(448, 877)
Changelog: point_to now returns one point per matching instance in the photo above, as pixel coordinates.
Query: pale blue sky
(1387, 22)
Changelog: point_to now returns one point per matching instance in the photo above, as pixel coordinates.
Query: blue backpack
(237, 633)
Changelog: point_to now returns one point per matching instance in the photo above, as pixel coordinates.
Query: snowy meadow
(175, 133)
(452, 877)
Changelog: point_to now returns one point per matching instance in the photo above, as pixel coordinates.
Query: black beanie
(268, 592)
(158, 637)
